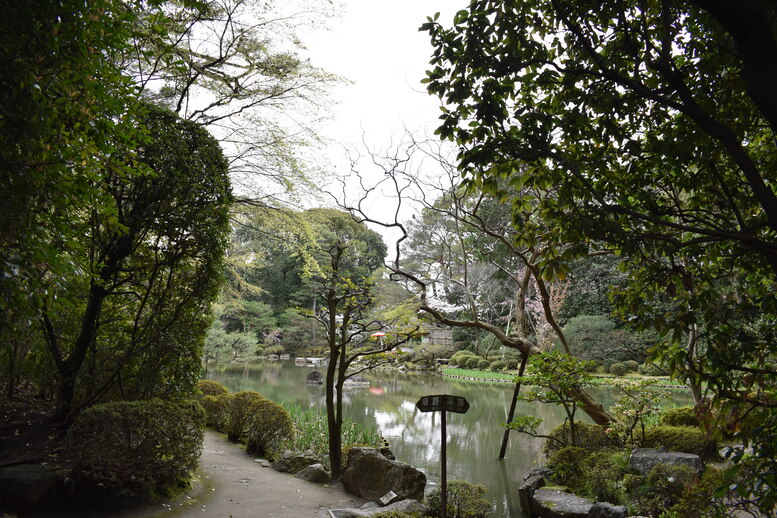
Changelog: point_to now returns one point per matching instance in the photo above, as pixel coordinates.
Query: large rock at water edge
(371, 475)
(554, 503)
(294, 461)
(607, 510)
(314, 473)
(315, 378)
(402, 506)
(643, 460)
(532, 481)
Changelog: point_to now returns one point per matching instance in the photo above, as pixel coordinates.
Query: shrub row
(136, 449)
(247, 417)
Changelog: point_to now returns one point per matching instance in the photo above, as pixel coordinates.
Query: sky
(377, 46)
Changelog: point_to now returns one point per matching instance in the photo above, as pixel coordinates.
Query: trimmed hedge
(497, 366)
(269, 425)
(631, 365)
(618, 369)
(589, 436)
(211, 388)
(568, 465)
(680, 416)
(137, 449)
(239, 413)
(685, 439)
(216, 411)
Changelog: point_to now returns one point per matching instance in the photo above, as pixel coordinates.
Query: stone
(292, 462)
(642, 460)
(30, 484)
(356, 381)
(315, 473)
(533, 480)
(371, 475)
(315, 378)
(554, 503)
(607, 510)
(401, 506)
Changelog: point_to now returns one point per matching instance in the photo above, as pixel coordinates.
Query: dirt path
(233, 485)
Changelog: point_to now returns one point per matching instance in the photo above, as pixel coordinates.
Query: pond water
(388, 404)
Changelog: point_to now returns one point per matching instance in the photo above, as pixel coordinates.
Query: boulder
(294, 461)
(554, 503)
(315, 473)
(402, 506)
(607, 510)
(371, 475)
(30, 484)
(642, 460)
(532, 481)
(315, 378)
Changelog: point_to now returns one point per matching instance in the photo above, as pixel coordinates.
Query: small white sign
(388, 497)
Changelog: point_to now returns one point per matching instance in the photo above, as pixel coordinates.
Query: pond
(389, 402)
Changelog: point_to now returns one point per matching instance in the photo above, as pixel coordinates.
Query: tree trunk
(511, 413)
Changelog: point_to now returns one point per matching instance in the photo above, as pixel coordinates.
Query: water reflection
(389, 404)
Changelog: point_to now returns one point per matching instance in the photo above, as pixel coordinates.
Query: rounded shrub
(679, 416)
(211, 388)
(604, 471)
(472, 362)
(685, 439)
(631, 365)
(497, 366)
(483, 364)
(268, 427)
(136, 449)
(651, 369)
(465, 500)
(618, 369)
(589, 436)
(569, 466)
(216, 411)
(239, 413)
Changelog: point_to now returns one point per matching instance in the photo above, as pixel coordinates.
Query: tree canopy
(651, 128)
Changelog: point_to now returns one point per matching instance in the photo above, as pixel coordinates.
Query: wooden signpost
(443, 403)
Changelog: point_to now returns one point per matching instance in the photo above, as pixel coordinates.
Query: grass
(469, 373)
(600, 379)
(311, 433)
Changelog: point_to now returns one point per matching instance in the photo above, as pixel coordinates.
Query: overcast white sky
(377, 46)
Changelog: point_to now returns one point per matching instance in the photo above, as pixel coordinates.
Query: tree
(654, 123)
(132, 317)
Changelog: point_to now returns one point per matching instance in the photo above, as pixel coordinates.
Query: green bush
(680, 416)
(396, 514)
(662, 488)
(686, 439)
(603, 473)
(618, 369)
(211, 388)
(273, 349)
(269, 425)
(631, 365)
(568, 465)
(497, 366)
(483, 364)
(138, 449)
(216, 411)
(460, 357)
(651, 369)
(589, 436)
(472, 362)
(698, 498)
(239, 413)
(465, 500)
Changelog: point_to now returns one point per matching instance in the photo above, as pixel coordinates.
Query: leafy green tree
(132, 317)
(653, 125)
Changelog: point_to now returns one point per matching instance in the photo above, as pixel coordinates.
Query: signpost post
(442, 403)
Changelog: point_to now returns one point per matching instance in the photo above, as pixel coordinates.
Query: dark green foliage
(618, 369)
(597, 337)
(679, 416)
(651, 369)
(269, 425)
(497, 366)
(568, 465)
(698, 497)
(483, 364)
(138, 449)
(211, 388)
(216, 410)
(686, 439)
(589, 436)
(472, 362)
(661, 488)
(239, 415)
(604, 471)
(396, 514)
(631, 365)
(465, 500)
